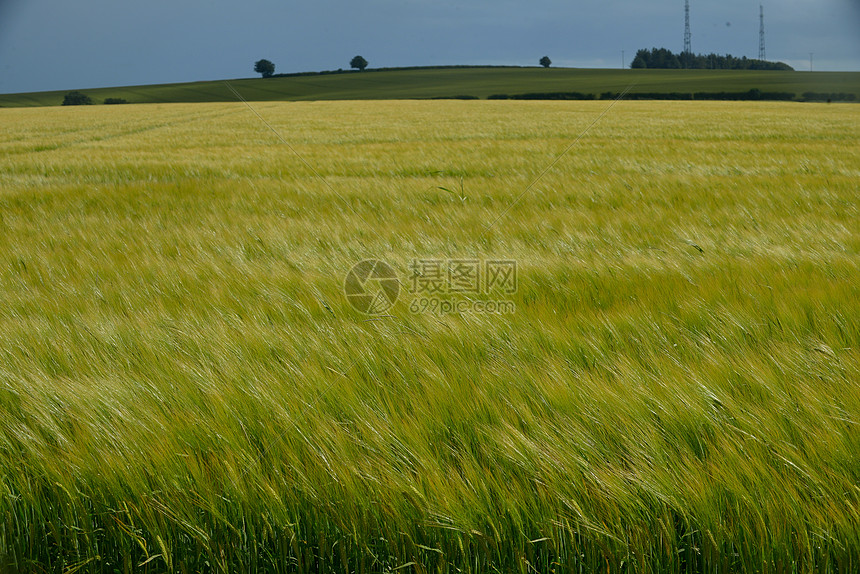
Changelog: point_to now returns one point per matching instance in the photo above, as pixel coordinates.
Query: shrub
(76, 98)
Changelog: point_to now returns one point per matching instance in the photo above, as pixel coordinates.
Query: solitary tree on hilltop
(264, 67)
(358, 62)
(545, 62)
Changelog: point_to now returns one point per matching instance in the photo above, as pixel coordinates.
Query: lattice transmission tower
(762, 55)
(688, 44)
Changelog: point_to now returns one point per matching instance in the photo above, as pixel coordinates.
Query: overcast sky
(63, 44)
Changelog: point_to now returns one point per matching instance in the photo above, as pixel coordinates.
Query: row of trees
(663, 58)
(753, 95)
(266, 68)
(76, 98)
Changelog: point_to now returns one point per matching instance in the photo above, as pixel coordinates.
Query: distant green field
(421, 83)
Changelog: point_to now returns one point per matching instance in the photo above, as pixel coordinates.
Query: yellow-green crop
(184, 385)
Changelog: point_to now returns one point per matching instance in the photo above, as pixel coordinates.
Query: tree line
(751, 95)
(661, 58)
(266, 68)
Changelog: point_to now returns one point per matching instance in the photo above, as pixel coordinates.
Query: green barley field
(673, 384)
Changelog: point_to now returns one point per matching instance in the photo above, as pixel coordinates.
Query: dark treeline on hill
(750, 95)
(395, 69)
(543, 96)
(665, 59)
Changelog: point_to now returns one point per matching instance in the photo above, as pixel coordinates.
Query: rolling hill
(450, 82)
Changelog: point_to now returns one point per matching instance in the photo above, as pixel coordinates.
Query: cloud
(56, 44)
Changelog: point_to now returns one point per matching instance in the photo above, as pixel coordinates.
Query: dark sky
(63, 44)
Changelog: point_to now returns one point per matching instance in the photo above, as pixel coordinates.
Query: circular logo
(372, 287)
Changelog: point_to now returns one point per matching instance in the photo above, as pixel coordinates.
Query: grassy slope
(183, 382)
(481, 82)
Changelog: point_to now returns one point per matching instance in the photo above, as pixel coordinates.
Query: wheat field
(185, 386)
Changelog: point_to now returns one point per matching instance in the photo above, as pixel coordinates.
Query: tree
(641, 59)
(358, 62)
(545, 62)
(264, 67)
(77, 99)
